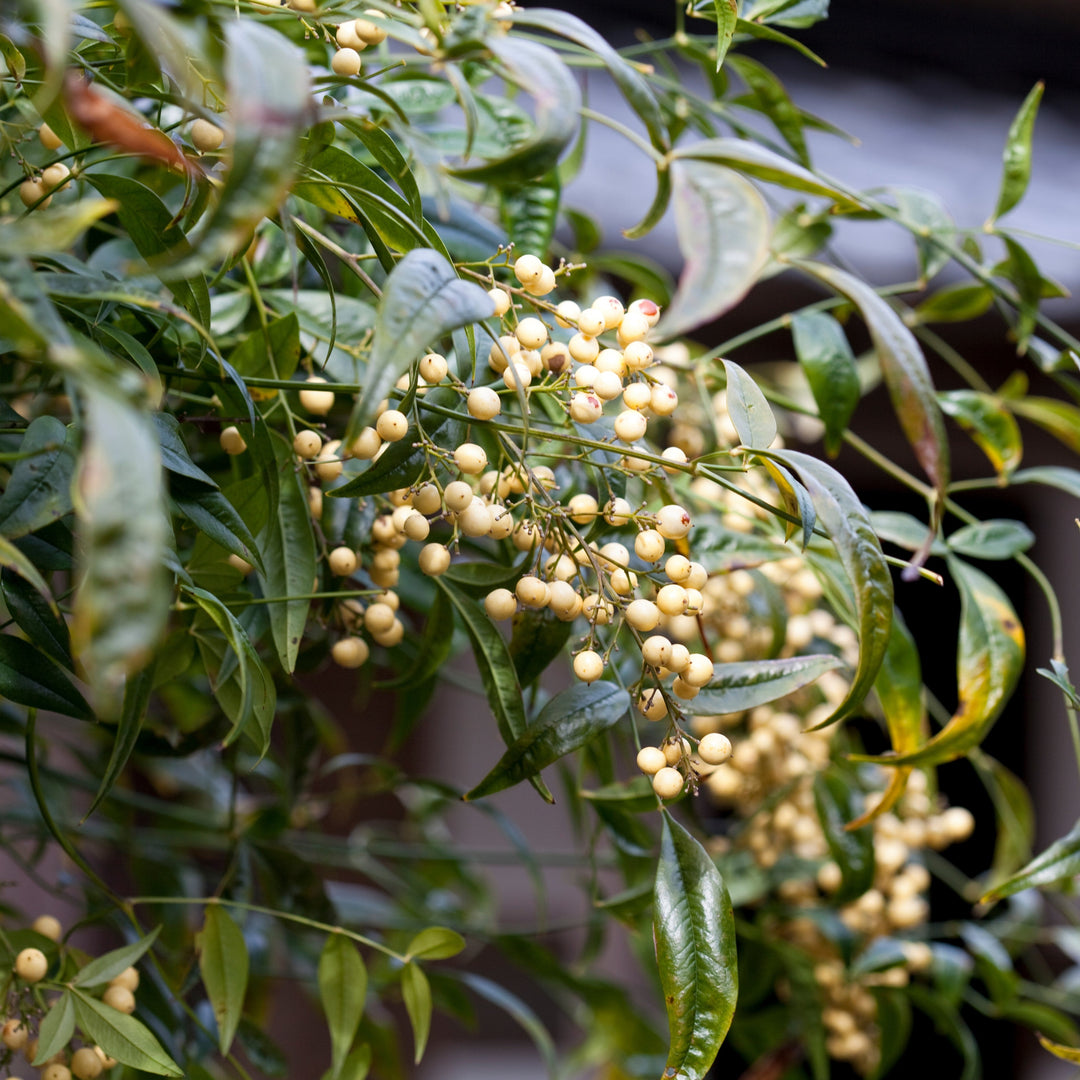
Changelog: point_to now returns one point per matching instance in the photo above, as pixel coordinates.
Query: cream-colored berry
(586, 408)
(14, 1034)
(528, 268)
(678, 568)
(676, 455)
(48, 926)
(618, 512)
(434, 368)
(564, 600)
(633, 327)
(428, 500)
(328, 464)
(637, 396)
(56, 1072)
(378, 618)
(592, 323)
(683, 690)
(366, 445)
(350, 652)
(649, 545)
(544, 284)
(673, 522)
(678, 658)
(650, 760)
(317, 402)
(416, 526)
(500, 604)
(697, 577)
(652, 705)
(32, 193)
(501, 299)
(668, 782)
(31, 965)
(585, 376)
(656, 650)
(671, 599)
(555, 357)
(346, 62)
(434, 559)
(597, 609)
(532, 592)
(531, 333)
(642, 615)
(457, 495)
(392, 425)
(342, 561)
(959, 823)
(347, 37)
(607, 386)
(49, 139)
(54, 177)
(566, 314)
(583, 349)
(699, 670)
(647, 308)
(588, 666)
(623, 582)
(663, 400)
(119, 998)
(232, 442)
(714, 748)
(475, 519)
(630, 425)
(516, 374)
(611, 308)
(85, 1064)
(307, 444)
(637, 355)
(483, 403)
(205, 136)
(371, 28)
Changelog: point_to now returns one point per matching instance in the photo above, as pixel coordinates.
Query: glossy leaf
(272, 353)
(694, 933)
(423, 299)
(768, 94)
(995, 539)
(904, 369)
(566, 723)
(745, 684)
(1059, 861)
(130, 724)
(435, 943)
(1065, 1053)
(214, 515)
(497, 670)
(223, 965)
(928, 219)
(122, 1036)
(35, 613)
(990, 658)
(1060, 418)
(749, 411)
(288, 550)
(107, 966)
(1016, 164)
(837, 801)
(955, 303)
(435, 646)
(539, 70)
(1057, 476)
(767, 33)
(723, 230)
(529, 212)
(342, 990)
(829, 365)
(857, 545)
(39, 490)
(986, 419)
(56, 1030)
(537, 639)
(416, 992)
(797, 503)
(1015, 817)
(29, 677)
(727, 15)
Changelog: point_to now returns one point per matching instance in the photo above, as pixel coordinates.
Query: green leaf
(1059, 418)
(1015, 817)
(153, 229)
(288, 549)
(761, 163)
(223, 965)
(342, 990)
(28, 677)
(34, 612)
(215, 516)
(39, 490)
(122, 1036)
(955, 303)
(829, 365)
(927, 218)
(272, 353)
(723, 230)
(992, 427)
(1016, 163)
(123, 600)
(422, 300)
(948, 1022)
(837, 800)
(745, 684)
(990, 658)
(107, 966)
(860, 553)
(904, 369)
(132, 715)
(435, 646)
(529, 212)
(57, 230)
(1057, 476)
(537, 639)
(727, 16)
(497, 670)
(355, 1067)
(634, 796)
(416, 992)
(568, 721)
(767, 94)
(56, 1029)
(1059, 861)
(435, 943)
(999, 538)
(540, 71)
(749, 411)
(694, 931)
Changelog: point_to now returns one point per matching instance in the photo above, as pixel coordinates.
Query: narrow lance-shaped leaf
(990, 657)
(568, 721)
(749, 411)
(33, 608)
(423, 298)
(56, 1030)
(416, 992)
(723, 229)
(745, 684)
(900, 690)
(107, 966)
(827, 360)
(29, 677)
(223, 964)
(342, 990)
(992, 427)
(727, 15)
(1059, 861)
(1016, 163)
(904, 368)
(694, 932)
(1066, 1053)
(39, 490)
(121, 1036)
(852, 850)
(860, 553)
(435, 943)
